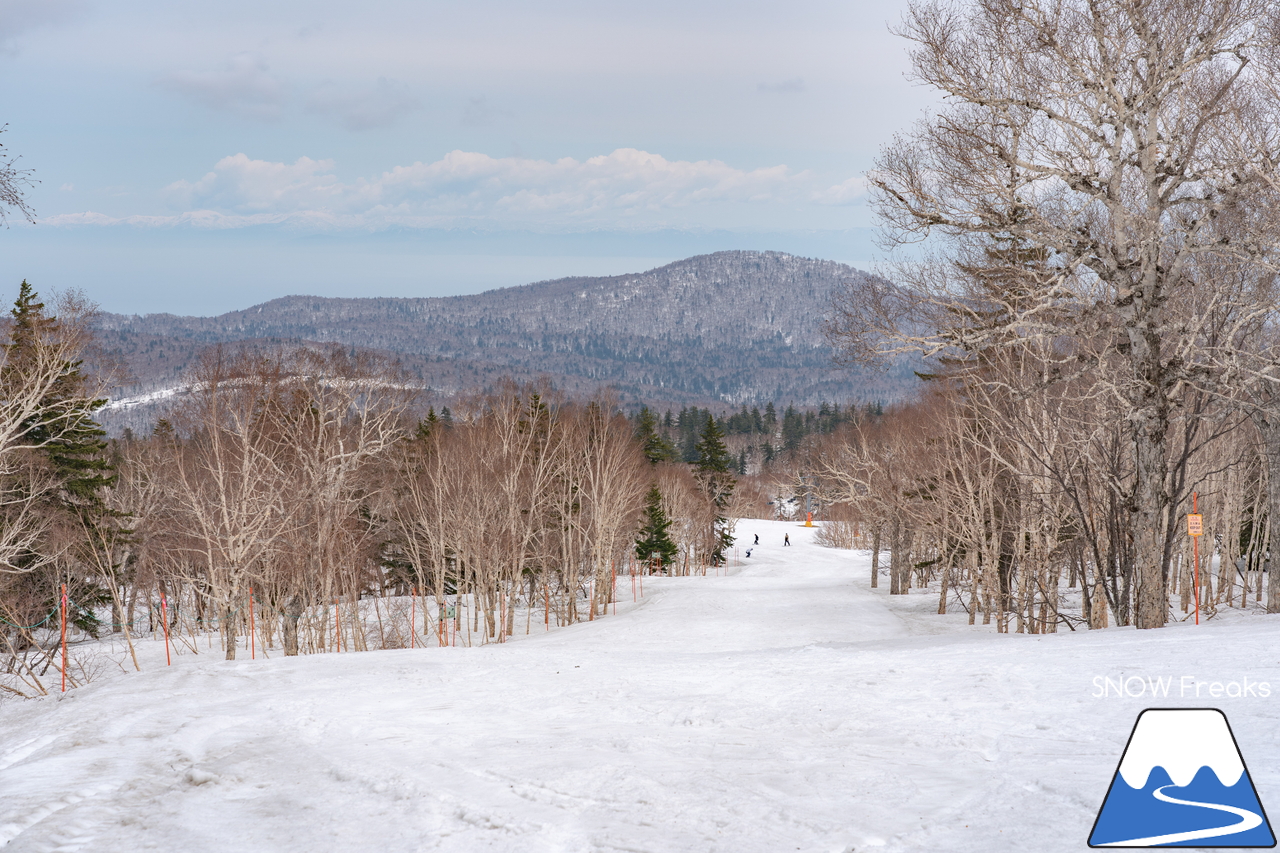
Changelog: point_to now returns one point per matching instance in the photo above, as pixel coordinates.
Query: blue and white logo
(1182, 783)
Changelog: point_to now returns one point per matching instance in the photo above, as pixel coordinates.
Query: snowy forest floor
(783, 707)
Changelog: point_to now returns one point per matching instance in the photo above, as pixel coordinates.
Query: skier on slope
(786, 539)
(757, 542)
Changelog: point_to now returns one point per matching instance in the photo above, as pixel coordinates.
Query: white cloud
(625, 184)
(240, 184)
(243, 84)
(86, 218)
(627, 189)
(361, 108)
(845, 192)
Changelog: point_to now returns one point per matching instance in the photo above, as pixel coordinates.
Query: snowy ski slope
(785, 707)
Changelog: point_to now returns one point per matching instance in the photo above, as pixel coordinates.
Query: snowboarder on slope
(786, 539)
(757, 542)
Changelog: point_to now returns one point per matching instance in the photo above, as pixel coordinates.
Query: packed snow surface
(786, 706)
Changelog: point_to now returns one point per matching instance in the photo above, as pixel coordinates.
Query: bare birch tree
(229, 479)
(1122, 140)
(14, 183)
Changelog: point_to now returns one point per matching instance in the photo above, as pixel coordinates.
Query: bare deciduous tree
(230, 478)
(1129, 144)
(13, 185)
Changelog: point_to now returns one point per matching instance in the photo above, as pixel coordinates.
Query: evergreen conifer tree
(714, 470)
(63, 427)
(428, 425)
(654, 545)
(688, 423)
(656, 447)
(73, 446)
(792, 429)
(713, 455)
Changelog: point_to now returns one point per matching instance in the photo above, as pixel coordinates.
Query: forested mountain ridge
(732, 326)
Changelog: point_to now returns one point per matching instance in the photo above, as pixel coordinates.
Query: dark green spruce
(714, 469)
(653, 544)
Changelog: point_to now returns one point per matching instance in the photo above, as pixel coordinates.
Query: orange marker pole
(164, 623)
(253, 639)
(546, 604)
(632, 566)
(63, 607)
(1195, 545)
(613, 587)
(413, 619)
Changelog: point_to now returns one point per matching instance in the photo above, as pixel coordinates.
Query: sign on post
(1195, 524)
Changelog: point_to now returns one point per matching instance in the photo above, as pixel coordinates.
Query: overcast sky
(198, 157)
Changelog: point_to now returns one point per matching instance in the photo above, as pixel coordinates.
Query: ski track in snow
(784, 707)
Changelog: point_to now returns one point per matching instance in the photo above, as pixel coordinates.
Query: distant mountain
(730, 327)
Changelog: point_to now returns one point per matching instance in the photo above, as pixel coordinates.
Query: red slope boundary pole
(63, 607)
(164, 623)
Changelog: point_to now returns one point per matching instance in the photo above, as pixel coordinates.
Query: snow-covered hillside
(732, 326)
(783, 707)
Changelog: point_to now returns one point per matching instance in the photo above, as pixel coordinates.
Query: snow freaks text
(1179, 687)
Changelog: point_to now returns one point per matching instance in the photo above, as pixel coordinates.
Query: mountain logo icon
(1182, 783)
